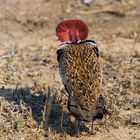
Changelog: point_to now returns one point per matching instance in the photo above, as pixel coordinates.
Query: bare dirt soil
(28, 67)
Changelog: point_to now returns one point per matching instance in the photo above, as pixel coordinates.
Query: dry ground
(28, 67)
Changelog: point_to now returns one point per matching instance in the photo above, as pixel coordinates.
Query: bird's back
(80, 72)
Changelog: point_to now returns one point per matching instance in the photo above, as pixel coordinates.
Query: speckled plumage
(81, 76)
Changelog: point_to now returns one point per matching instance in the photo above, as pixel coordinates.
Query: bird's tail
(100, 109)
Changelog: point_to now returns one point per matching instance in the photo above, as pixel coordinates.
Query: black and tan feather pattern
(80, 73)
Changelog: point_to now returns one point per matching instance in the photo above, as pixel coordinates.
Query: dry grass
(32, 97)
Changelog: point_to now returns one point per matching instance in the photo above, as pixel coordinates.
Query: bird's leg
(92, 126)
(106, 124)
(62, 112)
(77, 124)
(92, 132)
(62, 116)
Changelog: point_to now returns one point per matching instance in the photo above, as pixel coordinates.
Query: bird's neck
(73, 36)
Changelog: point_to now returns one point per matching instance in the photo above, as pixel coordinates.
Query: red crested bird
(80, 70)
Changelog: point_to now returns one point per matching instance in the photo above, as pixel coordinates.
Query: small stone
(87, 2)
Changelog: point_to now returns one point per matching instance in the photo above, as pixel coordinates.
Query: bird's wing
(80, 73)
(61, 58)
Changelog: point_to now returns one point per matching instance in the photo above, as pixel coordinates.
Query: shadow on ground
(25, 100)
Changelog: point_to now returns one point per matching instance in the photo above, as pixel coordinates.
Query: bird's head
(72, 31)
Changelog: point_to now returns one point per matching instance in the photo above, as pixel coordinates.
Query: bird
(79, 67)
